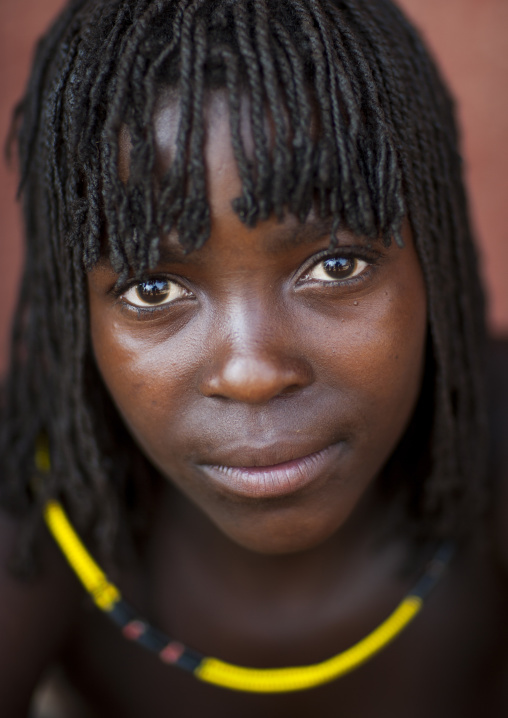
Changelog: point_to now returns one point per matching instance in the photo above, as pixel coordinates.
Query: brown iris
(153, 291)
(339, 267)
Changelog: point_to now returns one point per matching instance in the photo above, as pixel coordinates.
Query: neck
(355, 556)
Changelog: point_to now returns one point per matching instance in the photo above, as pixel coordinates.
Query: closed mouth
(276, 480)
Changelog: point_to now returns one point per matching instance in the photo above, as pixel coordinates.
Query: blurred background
(469, 39)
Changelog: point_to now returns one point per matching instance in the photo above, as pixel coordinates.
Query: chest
(449, 662)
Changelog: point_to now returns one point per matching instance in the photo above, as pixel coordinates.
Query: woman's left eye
(333, 269)
(154, 292)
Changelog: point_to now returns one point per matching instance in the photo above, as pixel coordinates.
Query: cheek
(145, 378)
(374, 357)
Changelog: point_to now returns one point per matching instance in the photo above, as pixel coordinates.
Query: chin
(279, 538)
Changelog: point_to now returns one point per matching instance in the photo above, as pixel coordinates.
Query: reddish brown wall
(470, 38)
(21, 22)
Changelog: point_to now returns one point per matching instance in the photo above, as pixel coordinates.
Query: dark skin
(258, 350)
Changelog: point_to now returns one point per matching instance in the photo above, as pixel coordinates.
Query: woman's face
(264, 376)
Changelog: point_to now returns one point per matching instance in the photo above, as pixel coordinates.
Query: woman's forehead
(222, 177)
(216, 122)
(222, 152)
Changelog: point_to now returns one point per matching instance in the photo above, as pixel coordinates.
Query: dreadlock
(361, 127)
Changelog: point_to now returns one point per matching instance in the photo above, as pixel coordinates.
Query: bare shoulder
(35, 617)
(498, 390)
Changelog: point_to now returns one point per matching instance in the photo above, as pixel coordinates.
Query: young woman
(247, 374)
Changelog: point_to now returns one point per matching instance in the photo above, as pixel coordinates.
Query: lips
(274, 480)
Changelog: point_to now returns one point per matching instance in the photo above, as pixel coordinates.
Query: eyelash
(119, 293)
(371, 259)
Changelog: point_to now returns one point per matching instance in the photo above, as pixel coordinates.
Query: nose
(253, 367)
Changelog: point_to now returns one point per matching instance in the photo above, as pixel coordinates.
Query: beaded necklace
(108, 599)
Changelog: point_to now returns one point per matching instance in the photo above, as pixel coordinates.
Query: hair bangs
(321, 137)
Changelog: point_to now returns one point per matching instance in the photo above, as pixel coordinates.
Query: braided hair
(361, 127)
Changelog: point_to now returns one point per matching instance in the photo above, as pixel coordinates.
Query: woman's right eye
(155, 292)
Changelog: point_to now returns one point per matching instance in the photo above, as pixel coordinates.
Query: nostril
(291, 389)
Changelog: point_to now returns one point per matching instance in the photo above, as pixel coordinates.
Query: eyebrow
(280, 239)
(171, 251)
(276, 240)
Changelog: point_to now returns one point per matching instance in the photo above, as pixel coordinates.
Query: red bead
(172, 652)
(133, 630)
